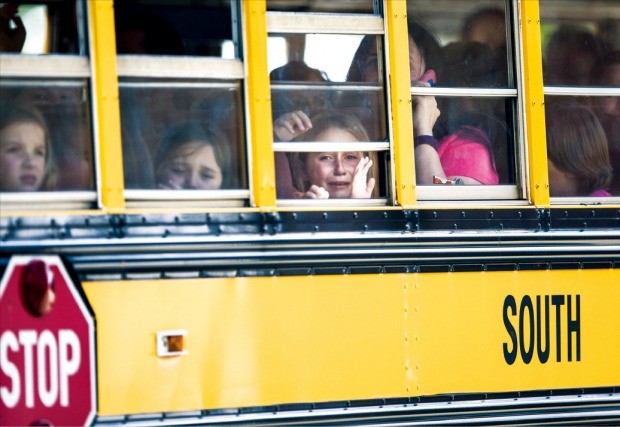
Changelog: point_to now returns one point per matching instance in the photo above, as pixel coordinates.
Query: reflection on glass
(39, 27)
(577, 37)
(54, 118)
(571, 55)
(182, 138)
(197, 28)
(330, 175)
(465, 49)
(473, 64)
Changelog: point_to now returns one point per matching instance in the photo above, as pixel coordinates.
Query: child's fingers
(370, 186)
(316, 192)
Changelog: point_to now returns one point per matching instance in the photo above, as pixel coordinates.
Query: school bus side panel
(251, 341)
(273, 340)
(498, 331)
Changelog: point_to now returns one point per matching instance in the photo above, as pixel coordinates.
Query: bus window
(63, 108)
(581, 72)
(164, 128)
(326, 116)
(192, 28)
(464, 94)
(182, 119)
(39, 27)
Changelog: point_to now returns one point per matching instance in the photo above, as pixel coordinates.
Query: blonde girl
(26, 160)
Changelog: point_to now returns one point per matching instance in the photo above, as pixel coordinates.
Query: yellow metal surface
(273, 340)
(259, 105)
(250, 341)
(107, 114)
(460, 330)
(534, 103)
(400, 89)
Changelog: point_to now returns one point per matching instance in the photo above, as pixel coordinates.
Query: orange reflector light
(171, 343)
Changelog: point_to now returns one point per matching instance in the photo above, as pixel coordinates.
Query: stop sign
(47, 369)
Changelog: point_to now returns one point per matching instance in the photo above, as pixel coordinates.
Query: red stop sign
(47, 369)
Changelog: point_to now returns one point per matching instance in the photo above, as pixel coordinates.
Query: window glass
(39, 27)
(349, 85)
(346, 6)
(465, 135)
(334, 63)
(332, 174)
(194, 28)
(581, 64)
(473, 38)
(576, 36)
(45, 136)
(182, 135)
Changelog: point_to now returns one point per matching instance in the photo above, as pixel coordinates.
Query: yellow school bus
(171, 254)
